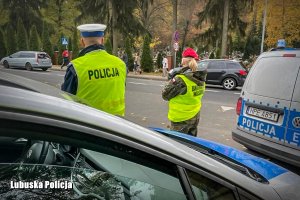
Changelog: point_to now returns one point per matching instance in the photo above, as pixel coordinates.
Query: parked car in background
(27, 60)
(269, 106)
(228, 73)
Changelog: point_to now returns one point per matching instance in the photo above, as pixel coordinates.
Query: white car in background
(27, 60)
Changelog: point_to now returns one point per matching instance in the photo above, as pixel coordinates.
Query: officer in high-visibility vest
(184, 93)
(97, 76)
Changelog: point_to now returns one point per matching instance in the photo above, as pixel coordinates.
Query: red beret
(189, 52)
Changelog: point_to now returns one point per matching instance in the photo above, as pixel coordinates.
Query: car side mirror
(10, 56)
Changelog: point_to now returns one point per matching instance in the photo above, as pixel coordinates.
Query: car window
(274, 77)
(139, 177)
(202, 65)
(42, 56)
(113, 171)
(27, 55)
(216, 65)
(233, 65)
(15, 55)
(206, 189)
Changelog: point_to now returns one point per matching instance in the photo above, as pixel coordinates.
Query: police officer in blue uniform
(97, 76)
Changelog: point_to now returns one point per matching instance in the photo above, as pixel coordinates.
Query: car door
(23, 58)
(215, 70)
(13, 59)
(292, 136)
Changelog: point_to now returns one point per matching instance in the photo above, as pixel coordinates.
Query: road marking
(211, 91)
(237, 93)
(139, 83)
(226, 108)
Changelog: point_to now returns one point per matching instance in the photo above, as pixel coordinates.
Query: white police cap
(92, 30)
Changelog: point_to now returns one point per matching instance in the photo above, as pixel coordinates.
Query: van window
(274, 77)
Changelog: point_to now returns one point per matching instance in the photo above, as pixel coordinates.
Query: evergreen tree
(146, 60)
(159, 60)
(178, 57)
(238, 44)
(128, 51)
(212, 55)
(34, 39)
(252, 46)
(118, 15)
(75, 45)
(108, 46)
(2, 45)
(27, 10)
(70, 46)
(46, 44)
(11, 44)
(22, 39)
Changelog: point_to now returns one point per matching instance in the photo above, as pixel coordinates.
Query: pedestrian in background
(125, 60)
(97, 76)
(165, 66)
(184, 93)
(65, 55)
(137, 64)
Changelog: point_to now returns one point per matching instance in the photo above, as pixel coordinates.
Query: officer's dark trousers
(189, 126)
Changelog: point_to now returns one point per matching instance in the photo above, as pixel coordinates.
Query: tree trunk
(186, 28)
(114, 29)
(174, 2)
(225, 28)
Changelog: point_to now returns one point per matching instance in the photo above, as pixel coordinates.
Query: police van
(269, 106)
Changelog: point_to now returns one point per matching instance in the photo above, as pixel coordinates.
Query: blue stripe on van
(261, 127)
(263, 167)
(293, 131)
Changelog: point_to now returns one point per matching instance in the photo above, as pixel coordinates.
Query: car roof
(281, 53)
(226, 60)
(30, 52)
(263, 167)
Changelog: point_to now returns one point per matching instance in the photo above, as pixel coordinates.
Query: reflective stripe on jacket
(101, 81)
(186, 106)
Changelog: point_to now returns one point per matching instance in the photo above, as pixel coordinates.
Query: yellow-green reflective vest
(186, 106)
(101, 81)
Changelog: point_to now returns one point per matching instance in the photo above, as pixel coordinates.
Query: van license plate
(263, 114)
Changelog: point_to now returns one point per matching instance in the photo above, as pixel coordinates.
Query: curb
(158, 78)
(129, 75)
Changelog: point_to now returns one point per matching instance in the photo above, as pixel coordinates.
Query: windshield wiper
(213, 154)
(236, 166)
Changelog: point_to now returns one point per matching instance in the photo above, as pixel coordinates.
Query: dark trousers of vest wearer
(189, 126)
